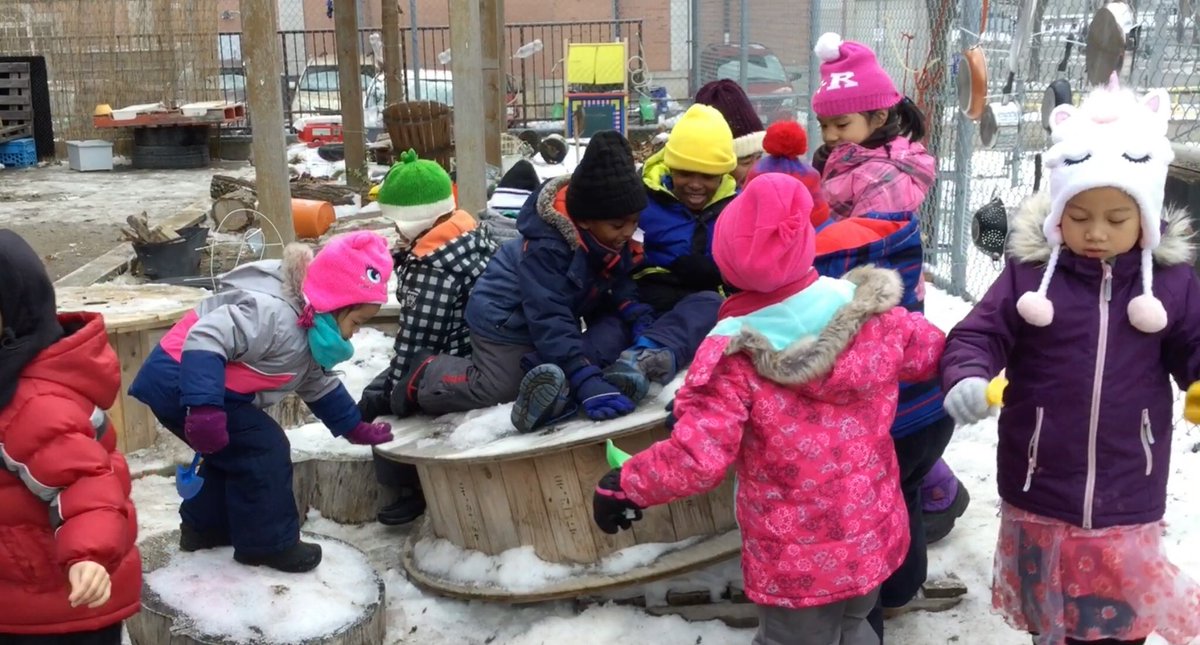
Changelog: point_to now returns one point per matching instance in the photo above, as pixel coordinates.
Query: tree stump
(291, 412)
(202, 599)
(333, 476)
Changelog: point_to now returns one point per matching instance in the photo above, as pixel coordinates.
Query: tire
(171, 157)
(170, 136)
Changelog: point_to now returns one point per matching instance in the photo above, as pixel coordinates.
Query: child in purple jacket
(1097, 309)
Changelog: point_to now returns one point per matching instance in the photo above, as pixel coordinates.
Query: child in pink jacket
(796, 388)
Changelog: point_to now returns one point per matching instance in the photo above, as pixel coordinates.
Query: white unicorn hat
(1115, 139)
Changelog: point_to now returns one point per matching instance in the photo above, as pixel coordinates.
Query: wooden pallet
(16, 102)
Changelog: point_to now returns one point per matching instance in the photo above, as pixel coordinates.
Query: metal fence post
(969, 12)
(744, 48)
(694, 42)
(814, 63)
(416, 52)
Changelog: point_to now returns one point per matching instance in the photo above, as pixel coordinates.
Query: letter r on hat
(839, 80)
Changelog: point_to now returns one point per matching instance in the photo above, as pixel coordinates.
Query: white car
(317, 90)
(426, 85)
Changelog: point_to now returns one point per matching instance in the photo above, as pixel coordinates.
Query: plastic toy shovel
(995, 391)
(615, 455)
(188, 481)
(1191, 404)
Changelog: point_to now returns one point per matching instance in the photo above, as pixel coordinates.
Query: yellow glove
(1191, 404)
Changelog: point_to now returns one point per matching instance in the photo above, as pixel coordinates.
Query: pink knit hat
(352, 269)
(851, 79)
(764, 238)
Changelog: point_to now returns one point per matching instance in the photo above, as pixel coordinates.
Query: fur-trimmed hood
(1027, 241)
(283, 279)
(810, 357)
(546, 214)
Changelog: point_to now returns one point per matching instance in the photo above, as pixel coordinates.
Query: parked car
(230, 83)
(433, 85)
(768, 83)
(317, 91)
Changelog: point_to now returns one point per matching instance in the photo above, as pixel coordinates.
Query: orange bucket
(311, 218)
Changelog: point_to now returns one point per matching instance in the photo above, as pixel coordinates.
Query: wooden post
(491, 14)
(260, 51)
(391, 52)
(345, 25)
(470, 131)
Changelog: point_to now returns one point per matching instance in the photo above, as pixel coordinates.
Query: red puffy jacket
(64, 488)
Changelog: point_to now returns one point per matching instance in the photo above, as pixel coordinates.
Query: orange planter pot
(311, 218)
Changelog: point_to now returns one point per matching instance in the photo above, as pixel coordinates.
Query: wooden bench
(536, 491)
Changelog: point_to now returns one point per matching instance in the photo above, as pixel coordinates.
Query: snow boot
(408, 507)
(404, 391)
(626, 377)
(658, 364)
(543, 398)
(944, 499)
(299, 558)
(192, 540)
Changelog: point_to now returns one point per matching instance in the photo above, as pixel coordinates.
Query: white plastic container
(90, 155)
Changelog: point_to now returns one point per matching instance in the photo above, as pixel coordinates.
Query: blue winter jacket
(537, 287)
(678, 242)
(920, 403)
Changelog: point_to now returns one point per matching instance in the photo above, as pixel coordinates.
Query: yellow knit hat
(701, 141)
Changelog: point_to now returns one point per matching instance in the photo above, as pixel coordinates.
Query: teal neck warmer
(326, 342)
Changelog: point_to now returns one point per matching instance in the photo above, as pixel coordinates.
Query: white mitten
(967, 401)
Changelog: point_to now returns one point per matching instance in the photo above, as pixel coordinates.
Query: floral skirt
(1062, 581)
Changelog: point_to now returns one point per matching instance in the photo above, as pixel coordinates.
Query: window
(759, 69)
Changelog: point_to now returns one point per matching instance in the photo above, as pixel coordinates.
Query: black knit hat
(606, 184)
(522, 176)
(731, 101)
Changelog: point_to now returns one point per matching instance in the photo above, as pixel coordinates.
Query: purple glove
(369, 434)
(205, 429)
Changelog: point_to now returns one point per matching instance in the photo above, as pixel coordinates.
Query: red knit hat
(851, 79)
(764, 239)
(784, 144)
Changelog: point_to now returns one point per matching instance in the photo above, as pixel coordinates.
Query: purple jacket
(1085, 432)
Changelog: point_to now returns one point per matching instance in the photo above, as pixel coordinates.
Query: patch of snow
(481, 427)
(260, 604)
(604, 625)
(372, 354)
(520, 569)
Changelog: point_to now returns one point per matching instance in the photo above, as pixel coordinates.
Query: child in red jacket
(69, 570)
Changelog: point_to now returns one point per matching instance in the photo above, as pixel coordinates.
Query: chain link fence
(921, 44)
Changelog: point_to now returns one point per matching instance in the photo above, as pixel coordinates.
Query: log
(161, 623)
(336, 194)
(343, 491)
(233, 212)
(139, 231)
(291, 412)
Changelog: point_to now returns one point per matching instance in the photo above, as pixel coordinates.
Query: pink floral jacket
(889, 179)
(805, 422)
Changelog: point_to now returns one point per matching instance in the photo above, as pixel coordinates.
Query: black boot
(404, 392)
(298, 558)
(192, 540)
(408, 507)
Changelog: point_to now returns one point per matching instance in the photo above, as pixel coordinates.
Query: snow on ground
(415, 616)
(57, 194)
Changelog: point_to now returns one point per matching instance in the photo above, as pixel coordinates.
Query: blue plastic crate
(21, 153)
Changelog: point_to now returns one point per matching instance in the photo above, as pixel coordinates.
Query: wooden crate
(16, 101)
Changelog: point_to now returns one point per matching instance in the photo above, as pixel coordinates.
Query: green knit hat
(415, 193)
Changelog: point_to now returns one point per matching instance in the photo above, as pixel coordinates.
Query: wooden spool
(334, 476)
(136, 317)
(537, 491)
(161, 624)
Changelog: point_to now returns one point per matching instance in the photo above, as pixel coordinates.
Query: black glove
(611, 509)
(696, 272)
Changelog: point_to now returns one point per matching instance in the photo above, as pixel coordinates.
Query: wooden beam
(491, 15)
(470, 131)
(392, 65)
(260, 51)
(345, 32)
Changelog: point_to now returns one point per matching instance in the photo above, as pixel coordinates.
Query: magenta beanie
(352, 269)
(851, 79)
(764, 238)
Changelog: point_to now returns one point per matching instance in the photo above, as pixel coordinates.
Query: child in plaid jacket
(443, 251)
